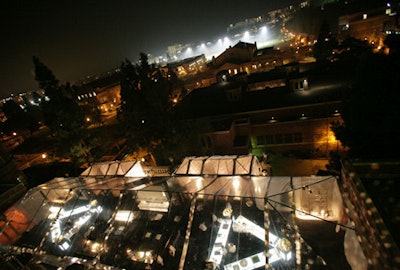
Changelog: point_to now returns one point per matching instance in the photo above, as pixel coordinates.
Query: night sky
(79, 38)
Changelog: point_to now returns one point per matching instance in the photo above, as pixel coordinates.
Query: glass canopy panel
(117, 234)
(139, 237)
(216, 239)
(118, 183)
(64, 183)
(79, 233)
(136, 170)
(111, 183)
(243, 165)
(57, 239)
(132, 182)
(230, 186)
(211, 167)
(184, 166)
(109, 168)
(196, 166)
(189, 184)
(21, 217)
(226, 166)
(125, 166)
(97, 169)
(317, 197)
(113, 169)
(217, 185)
(219, 165)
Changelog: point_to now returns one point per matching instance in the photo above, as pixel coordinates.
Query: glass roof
(183, 221)
(220, 165)
(116, 168)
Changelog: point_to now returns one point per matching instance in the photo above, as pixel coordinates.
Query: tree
(393, 42)
(132, 107)
(45, 78)
(146, 94)
(18, 119)
(63, 116)
(60, 112)
(140, 104)
(370, 112)
(325, 44)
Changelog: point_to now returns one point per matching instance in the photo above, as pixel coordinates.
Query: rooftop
(213, 210)
(214, 100)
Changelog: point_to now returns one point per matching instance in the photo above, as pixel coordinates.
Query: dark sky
(79, 38)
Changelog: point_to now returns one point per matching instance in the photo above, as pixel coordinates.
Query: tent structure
(220, 165)
(217, 211)
(132, 168)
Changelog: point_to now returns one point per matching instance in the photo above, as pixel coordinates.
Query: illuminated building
(280, 111)
(372, 25)
(242, 52)
(188, 66)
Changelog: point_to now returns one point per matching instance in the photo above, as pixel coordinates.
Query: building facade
(370, 25)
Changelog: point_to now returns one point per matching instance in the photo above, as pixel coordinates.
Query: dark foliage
(63, 116)
(147, 92)
(371, 112)
(325, 44)
(18, 120)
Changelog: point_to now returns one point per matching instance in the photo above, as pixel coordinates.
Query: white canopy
(220, 165)
(110, 204)
(131, 168)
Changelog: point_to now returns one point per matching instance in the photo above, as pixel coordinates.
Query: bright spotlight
(246, 36)
(263, 30)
